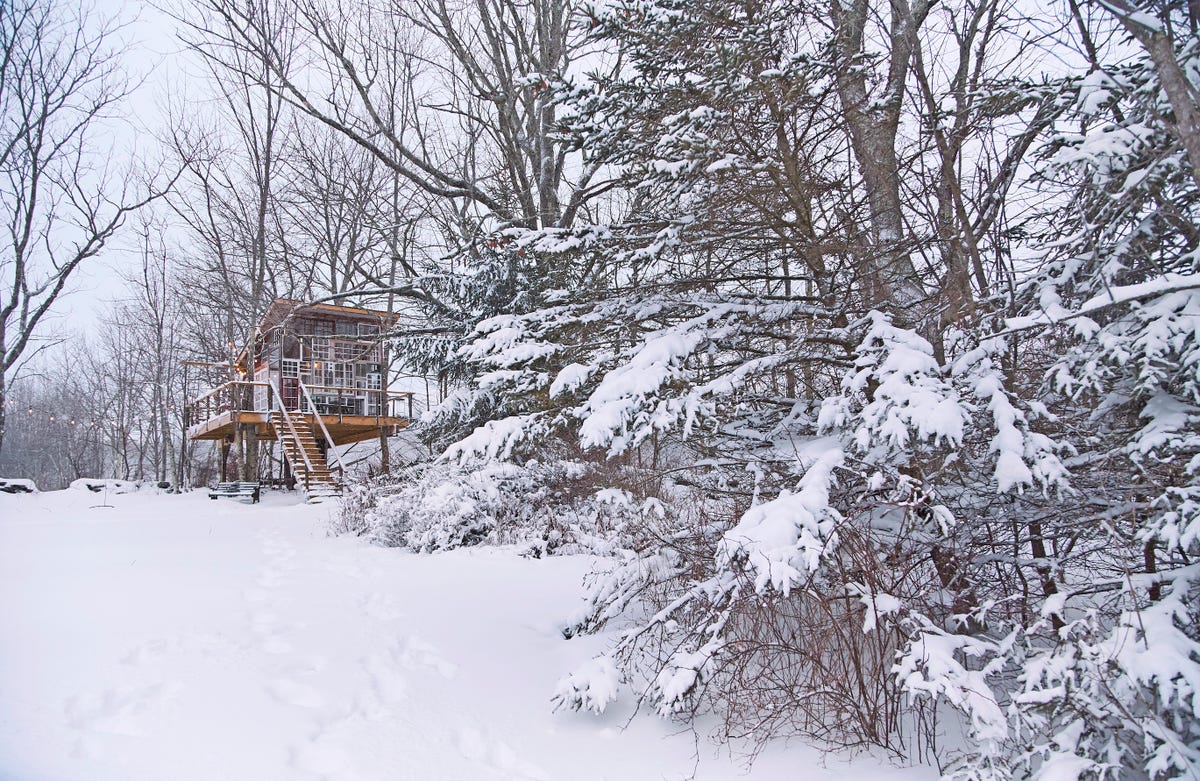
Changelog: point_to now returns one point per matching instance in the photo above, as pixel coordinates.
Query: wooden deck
(216, 414)
(344, 429)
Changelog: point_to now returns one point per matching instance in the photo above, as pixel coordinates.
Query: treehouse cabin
(312, 378)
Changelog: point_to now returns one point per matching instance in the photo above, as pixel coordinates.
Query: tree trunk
(385, 456)
(888, 278)
(1180, 92)
(250, 463)
(1155, 37)
(3, 409)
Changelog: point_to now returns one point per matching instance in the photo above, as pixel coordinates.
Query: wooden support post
(250, 463)
(224, 468)
(289, 480)
(385, 459)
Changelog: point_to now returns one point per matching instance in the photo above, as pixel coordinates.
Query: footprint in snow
(281, 559)
(292, 692)
(418, 653)
(264, 618)
(382, 608)
(119, 711)
(276, 645)
(212, 645)
(387, 683)
(279, 556)
(265, 625)
(348, 567)
(325, 756)
(146, 653)
(322, 757)
(257, 595)
(496, 755)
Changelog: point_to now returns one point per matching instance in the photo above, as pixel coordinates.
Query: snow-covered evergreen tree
(910, 420)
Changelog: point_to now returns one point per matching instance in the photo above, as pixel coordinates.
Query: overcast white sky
(152, 58)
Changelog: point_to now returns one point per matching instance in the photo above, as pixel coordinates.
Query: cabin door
(289, 384)
(262, 398)
(290, 392)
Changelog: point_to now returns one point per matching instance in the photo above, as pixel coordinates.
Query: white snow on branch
(1023, 457)
(495, 439)
(570, 377)
(503, 342)
(877, 604)
(933, 664)
(1113, 296)
(910, 396)
(591, 687)
(782, 541)
(622, 393)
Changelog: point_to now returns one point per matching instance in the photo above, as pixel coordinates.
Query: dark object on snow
(16, 486)
(236, 490)
(164, 484)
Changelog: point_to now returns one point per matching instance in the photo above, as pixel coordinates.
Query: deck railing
(341, 467)
(291, 426)
(336, 400)
(236, 396)
(327, 400)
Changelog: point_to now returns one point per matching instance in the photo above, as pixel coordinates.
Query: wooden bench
(236, 490)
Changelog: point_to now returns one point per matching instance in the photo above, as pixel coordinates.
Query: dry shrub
(547, 508)
(816, 662)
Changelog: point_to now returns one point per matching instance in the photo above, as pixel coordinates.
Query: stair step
(299, 444)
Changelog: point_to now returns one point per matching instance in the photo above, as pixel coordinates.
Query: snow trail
(172, 637)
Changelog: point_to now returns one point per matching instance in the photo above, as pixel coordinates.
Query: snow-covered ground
(174, 638)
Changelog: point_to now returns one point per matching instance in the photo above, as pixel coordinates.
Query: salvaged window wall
(340, 361)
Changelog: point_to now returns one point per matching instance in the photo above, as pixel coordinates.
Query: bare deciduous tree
(232, 203)
(478, 122)
(61, 198)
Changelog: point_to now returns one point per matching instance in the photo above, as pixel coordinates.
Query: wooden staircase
(300, 449)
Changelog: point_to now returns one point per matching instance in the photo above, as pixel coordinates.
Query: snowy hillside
(172, 637)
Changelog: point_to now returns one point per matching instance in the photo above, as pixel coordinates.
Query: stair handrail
(292, 428)
(324, 431)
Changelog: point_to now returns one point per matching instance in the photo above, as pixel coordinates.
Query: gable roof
(282, 309)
